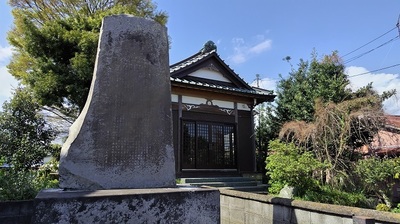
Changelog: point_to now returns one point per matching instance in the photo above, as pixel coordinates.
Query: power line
(370, 41)
(398, 24)
(376, 70)
(362, 54)
(367, 52)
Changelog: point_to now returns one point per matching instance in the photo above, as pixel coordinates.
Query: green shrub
(377, 176)
(179, 181)
(44, 178)
(382, 207)
(24, 185)
(329, 195)
(288, 165)
(16, 185)
(397, 209)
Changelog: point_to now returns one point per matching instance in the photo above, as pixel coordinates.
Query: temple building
(213, 123)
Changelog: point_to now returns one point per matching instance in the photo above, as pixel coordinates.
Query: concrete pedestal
(158, 205)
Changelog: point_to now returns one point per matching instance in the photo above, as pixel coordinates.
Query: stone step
(260, 189)
(247, 184)
(215, 179)
(226, 184)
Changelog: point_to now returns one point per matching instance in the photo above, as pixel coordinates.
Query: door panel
(207, 145)
(189, 145)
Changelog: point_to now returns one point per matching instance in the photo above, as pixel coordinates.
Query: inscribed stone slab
(123, 136)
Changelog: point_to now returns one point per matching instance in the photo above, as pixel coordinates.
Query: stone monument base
(158, 205)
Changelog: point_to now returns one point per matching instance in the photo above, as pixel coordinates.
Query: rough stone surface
(16, 211)
(167, 205)
(123, 136)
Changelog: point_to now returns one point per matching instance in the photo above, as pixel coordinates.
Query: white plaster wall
(220, 103)
(174, 98)
(224, 104)
(209, 74)
(193, 100)
(243, 106)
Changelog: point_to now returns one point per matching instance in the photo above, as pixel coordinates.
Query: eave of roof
(261, 96)
(189, 61)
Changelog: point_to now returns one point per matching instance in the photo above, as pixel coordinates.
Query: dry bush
(336, 132)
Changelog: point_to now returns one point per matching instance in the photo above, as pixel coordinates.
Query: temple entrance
(208, 145)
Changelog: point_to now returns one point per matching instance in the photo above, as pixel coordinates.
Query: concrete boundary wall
(243, 207)
(16, 211)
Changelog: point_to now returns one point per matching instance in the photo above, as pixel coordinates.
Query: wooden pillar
(253, 140)
(179, 156)
(237, 136)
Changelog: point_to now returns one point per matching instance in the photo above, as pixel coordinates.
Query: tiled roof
(221, 87)
(393, 121)
(174, 69)
(263, 91)
(237, 85)
(195, 58)
(386, 142)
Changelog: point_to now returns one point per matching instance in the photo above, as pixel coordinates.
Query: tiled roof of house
(213, 85)
(241, 86)
(393, 121)
(195, 58)
(386, 142)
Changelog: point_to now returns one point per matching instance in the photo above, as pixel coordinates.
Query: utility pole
(258, 80)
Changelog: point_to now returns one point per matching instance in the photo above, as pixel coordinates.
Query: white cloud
(239, 55)
(238, 58)
(261, 47)
(381, 82)
(242, 50)
(5, 53)
(7, 83)
(265, 83)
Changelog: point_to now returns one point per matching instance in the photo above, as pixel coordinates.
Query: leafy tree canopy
(56, 44)
(25, 137)
(42, 11)
(322, 81)
(319, 79)
(318, 112)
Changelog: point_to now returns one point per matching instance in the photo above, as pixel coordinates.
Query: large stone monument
(123, 137)
(117, 165)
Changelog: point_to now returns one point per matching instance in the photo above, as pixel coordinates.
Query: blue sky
(254, 36)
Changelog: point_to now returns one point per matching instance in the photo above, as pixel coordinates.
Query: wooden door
(208, 145)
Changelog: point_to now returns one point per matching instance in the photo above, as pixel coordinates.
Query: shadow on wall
(281, 213)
